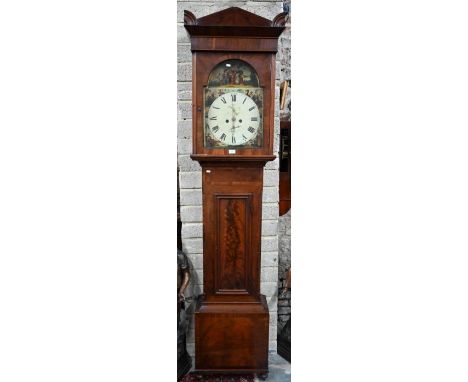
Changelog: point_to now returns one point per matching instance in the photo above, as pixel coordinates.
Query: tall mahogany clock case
(233, 91)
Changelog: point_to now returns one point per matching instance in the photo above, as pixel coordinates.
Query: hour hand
(233, 110)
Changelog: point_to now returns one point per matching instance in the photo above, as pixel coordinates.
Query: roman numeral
(233, 139)
(254, 119)
(222, 99)
(214, 107)
(251, 129)
(253, 107)
(243, 136)
(215, 129)
(223, 137)
(213, 118)
(245, 99)
(233, 97)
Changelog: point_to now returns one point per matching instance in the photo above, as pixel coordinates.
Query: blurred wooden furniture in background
(285, 168)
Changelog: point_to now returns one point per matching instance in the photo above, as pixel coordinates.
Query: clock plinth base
(231, 337)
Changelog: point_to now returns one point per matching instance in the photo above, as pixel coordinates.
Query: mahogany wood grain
(236, 22)
(232, 338)
(231, 318)
(203, 64)
(232, 203)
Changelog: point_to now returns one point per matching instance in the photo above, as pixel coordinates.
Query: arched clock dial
(233, 119)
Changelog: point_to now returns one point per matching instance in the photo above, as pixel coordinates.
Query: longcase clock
(233, 55)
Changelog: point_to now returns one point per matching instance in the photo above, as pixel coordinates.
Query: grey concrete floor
(280, 369)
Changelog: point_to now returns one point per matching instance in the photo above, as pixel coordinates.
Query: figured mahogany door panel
(232, 199)
(233, 242)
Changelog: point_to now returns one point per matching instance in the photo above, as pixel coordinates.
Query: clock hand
(233, 109)
(233, 119)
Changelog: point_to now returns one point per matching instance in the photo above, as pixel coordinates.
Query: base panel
(230, 340)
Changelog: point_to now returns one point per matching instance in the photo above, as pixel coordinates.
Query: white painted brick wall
(269, 259)
(184, 130)
(190, 214)
(182, 35)
(184, 70)
(197, 262)
(184, 110)
(186, 163)
(269, 274)
(270, 211)
(193, 246)
(192, 179)
(268, 288)
(269, 227)
(191, 197)
(183, 53)
(270, 194)
(192, 230)
(272, 165)
(184, 146)
(271, 178)
(269, 243)
(190, 171)
(184, 91)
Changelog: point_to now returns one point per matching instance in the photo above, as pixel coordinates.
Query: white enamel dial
(233, 119)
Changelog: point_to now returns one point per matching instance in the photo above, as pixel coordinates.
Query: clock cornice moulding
(234, 21)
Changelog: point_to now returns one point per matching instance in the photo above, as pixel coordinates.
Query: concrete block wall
(284, 54)
(190, 171)
(284, 263)
(284, 223)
